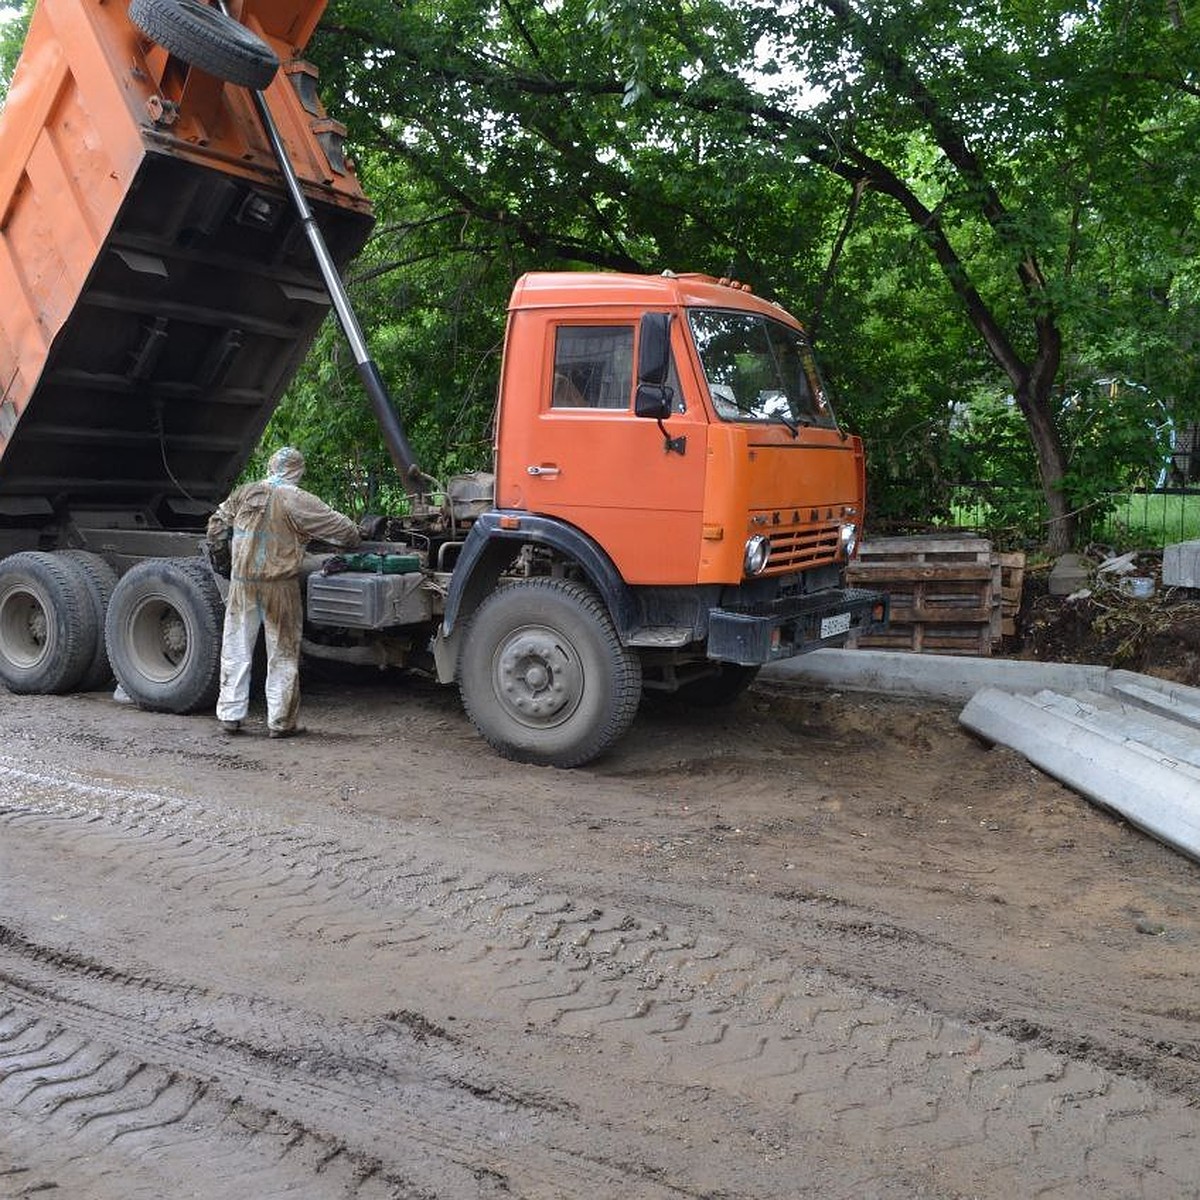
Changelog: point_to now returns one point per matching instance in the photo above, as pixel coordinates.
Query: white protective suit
(272, 521)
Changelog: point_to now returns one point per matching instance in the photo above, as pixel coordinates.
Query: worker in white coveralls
(272, 521)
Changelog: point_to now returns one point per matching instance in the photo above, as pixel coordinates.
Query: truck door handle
(551, 470)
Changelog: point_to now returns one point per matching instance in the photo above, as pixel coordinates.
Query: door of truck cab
(569, 445)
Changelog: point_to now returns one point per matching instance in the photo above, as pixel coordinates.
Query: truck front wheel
(543, 674)
(47, 628)
(163, 633)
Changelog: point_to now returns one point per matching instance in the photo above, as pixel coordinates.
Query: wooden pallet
(1012, 582)
(946, 593)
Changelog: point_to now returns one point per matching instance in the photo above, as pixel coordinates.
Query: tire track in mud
(86, 1071)
(793, 1060)
(80, 1086)
(420, 1130)
(79, 1114)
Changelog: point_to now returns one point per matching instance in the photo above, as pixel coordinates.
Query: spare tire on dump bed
(206, 38)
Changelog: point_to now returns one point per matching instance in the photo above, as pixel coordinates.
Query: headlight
(758, 550)
(849, 540)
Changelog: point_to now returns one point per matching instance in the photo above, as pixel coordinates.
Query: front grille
(799, 547)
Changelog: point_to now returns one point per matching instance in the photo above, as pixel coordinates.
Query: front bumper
(760, 633)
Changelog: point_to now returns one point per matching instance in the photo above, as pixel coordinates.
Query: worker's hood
(286, 466)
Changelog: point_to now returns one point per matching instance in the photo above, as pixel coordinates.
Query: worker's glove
(219, 552)
(373, 528)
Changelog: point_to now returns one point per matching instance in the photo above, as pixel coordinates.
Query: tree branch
(826, 284)
(952, 141)
(505, 219)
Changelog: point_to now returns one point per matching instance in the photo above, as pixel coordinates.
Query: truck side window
(593, 366)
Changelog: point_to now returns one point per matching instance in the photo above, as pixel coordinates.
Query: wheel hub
(37, 627)
(174, 637)
(538, 677)
(24, 628)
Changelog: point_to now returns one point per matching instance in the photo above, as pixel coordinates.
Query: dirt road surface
(820, 945)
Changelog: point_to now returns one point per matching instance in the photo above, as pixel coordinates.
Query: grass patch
(1136, 520)
(1151, 519)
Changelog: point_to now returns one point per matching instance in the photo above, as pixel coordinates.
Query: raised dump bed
(159, 292)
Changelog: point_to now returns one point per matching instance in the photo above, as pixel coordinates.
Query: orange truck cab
(670, 436)
(673, 502)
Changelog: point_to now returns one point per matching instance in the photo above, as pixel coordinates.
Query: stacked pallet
(948, 594)
(1012, 581)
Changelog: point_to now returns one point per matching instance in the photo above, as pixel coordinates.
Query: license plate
(832, 626)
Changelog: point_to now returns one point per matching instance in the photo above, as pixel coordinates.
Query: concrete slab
(1126, 723)
(1139, 782)
(1069, 573)
(1175, 700)
(1181, 565)
(1144, 718)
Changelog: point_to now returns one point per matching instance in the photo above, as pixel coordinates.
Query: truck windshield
(759, 369)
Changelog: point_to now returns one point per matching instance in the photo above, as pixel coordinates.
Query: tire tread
(195, 593)
(74, 633)
(626, 676)
(207, 39)
(99, 580)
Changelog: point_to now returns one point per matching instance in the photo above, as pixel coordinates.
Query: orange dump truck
(673, 503)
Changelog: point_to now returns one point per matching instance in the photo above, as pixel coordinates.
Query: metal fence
(1142, 519)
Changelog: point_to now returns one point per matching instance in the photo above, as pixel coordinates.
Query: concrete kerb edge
(937, 676)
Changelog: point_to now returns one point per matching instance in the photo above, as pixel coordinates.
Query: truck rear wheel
(543, 674)
(47, 629)
(206, 38)
(99, 580)
(164, 634)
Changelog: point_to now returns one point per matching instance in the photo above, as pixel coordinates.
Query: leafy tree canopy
(960, 198)
(14, 22)
(968, 203)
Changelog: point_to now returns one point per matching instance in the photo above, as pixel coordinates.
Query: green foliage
(14, 23)
(965, 200)
(1119, 437)
(997, 462)
(434, 312)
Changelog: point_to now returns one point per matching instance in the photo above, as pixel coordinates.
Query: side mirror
(654, 397)
(654, 349)
(653, 400)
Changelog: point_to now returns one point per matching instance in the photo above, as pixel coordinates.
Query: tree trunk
(1034, 400)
